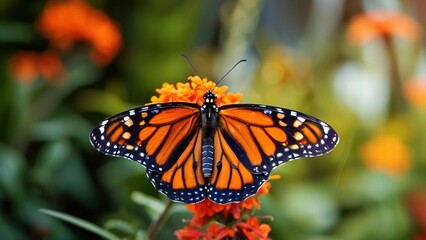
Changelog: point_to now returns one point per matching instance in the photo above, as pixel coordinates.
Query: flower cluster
(387, 154)
(65, 23)
(26, 66)
(194, 91)
(234, 220)
(371, 25)
(226, 220)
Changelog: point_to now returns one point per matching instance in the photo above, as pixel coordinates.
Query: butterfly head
(209, 97)
(209, 100)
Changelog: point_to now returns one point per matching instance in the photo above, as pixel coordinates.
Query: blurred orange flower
(67, 22)
(25, 67)
(370, 25)
(388, 154)
(415, 91)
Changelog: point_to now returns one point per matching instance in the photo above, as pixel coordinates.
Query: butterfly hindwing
(149, 135)
(265, 137)
(231, 181)
(184, 181)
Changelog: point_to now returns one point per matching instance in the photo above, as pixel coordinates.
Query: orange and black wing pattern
(184, 181)
(251, 140)
(166, 139)
(264, 137)
(231, 180)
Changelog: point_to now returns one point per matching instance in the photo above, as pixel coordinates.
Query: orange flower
(188, 233)
(415, 91)
(252, 229)
(204, 211)
(388, 154)
(25, 67)
(370, 25)
(207, 210)
(194, 91)
(218, 232)
(70, 21)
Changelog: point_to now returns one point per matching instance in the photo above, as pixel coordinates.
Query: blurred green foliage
(298, 56)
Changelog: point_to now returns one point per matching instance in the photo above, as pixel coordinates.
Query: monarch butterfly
(223, 153)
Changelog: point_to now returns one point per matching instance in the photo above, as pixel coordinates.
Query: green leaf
(12, 167)
(81, 223)
(119, 225)
(16, 32)
(59, 169)
(66, 125)
(141, 235)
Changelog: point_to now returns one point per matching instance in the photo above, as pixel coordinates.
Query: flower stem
(396, 100)
(155, 225)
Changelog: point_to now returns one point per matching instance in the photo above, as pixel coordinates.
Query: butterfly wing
(231, 181)
(251, 140)
(265, 137)
(184, 181)
(165, 138)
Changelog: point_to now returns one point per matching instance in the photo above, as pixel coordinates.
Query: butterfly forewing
(265, 137)
(150, 135)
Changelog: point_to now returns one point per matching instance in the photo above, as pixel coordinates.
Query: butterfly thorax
(209, 112)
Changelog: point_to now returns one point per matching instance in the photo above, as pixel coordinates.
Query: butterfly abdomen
(207, 156)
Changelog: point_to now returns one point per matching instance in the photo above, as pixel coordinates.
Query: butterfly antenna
(190, 63)
(230, 70)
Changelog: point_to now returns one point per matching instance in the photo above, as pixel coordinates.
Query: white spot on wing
(326, 129)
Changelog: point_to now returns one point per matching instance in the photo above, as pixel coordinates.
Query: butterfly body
(223, 153)
(209, 112)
